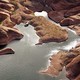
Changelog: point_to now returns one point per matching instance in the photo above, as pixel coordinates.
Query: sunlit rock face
(70, 59)
(9, 34)
(47, 31)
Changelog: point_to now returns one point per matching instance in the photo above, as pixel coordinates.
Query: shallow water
(30, 58)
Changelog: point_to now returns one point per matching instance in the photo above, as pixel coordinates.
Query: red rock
(75, 28)
(33, 5)
(16, 18)
(8, 23)
(6, 51)
(72, 20)
(6, 6)
(72, 11)
(56, 16)
(9, 34)
(73, 68)
(70, 59)
(47, 31)
(3, 16)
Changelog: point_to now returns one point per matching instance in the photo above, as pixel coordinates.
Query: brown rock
(9, 34)
(16, 18)
(6, 51)
(56, 64)
(72, 11)
(23, 9)
(73, 68)
(58, 5)
(51, 1)
(48, 2)
(8, 23)
(33, 5)
(5, 1)
(47, 31)
(6, 6)
(75, 28)
(3, 16)
(56, 16)
(78, 77)
(24, 12)
(70, 59)
(72, 20)
(5, 11)
(26, 16)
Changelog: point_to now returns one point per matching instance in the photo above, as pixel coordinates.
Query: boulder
(75, 28)
(6, 51)
(8, 23)
(3, 16)
(68, 59)
(6, 6)
(72, 20)
(5, 1)
(9, 34)
(33, 5)
(48, 31)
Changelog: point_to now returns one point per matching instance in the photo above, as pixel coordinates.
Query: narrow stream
(30, 58)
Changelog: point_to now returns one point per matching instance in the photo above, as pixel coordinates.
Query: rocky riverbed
(65, 13)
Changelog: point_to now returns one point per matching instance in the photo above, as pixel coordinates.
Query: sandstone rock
(70, 59)
(56, 64)
(16, 18)
(72, 20)
(33, 5)
(72, 11)
(9, 34)
(47, 31)
(8, 23)
(5, 11)
(24, 12)
(6, 51)
(6, 1)
(56, 16)
(58, 5)
(72, 69)
(3, 16)
(75, 28)
(6, 6)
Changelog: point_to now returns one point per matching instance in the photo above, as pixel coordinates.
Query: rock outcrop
(75, 28)
(70, 59)
(9, 34)
(6, 51)
(48, 31)
(72, 20)
(3, 16)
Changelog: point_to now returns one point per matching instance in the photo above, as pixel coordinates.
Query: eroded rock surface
(8, 23)
(75, 28)
(70, 59)
(3, 16)
(48, 31)
(6, 6)
(56, 64)
(33, 5)
(9, 34)
(57, 16)
(6, 51)
(72, 20)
